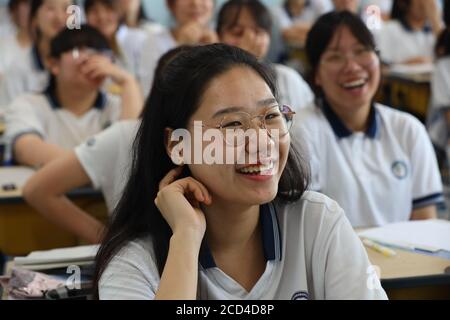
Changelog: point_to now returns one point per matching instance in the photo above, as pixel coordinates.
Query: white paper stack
(58, 258)
(427, 235)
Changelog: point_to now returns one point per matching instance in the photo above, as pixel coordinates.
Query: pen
(379, 248)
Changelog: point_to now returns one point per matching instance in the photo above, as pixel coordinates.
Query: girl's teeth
(257, 169)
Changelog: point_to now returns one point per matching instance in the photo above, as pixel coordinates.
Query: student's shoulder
(443, 66)
(399, 121)
(36, 100)
(310, 118)
(134, 255)
(287, 72)
(315, 209)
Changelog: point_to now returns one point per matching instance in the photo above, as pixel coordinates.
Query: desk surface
(409, 269)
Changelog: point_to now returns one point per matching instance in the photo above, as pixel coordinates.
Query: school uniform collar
(340, 129)
(37, 60)
(427, 28)
(50, 93)
(271, 236)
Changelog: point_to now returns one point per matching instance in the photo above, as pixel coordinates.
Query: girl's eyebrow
(261, 103)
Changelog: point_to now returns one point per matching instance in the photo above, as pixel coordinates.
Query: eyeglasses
(277, 120)
(89, 52)
(337, 60)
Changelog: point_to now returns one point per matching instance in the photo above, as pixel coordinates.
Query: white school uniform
(440, 104)
(10, 49)
(292, 88)
(398, 43)
(7, 27)
(130, 41)
(378, 177)
(303, 246)
(309, 15)
(155, 46)
(23, 74)
(42, 115)
(95, 157)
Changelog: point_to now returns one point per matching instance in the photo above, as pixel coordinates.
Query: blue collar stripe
(339, 128)
(99, 103)
(37, 59)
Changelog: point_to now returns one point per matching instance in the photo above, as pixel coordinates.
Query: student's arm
(434, 16)
(188, 224)
(31, 150)
(98, 67)
(46, 190)
(429, 212)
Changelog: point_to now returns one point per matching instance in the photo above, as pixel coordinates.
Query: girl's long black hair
(177, 92)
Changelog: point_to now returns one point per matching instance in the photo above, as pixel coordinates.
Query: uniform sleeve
(426, 179)
(298, 93)
(22, 118)
(441, 84)
(131, 275)
(148, 63)
(349, 274)
(96, 153)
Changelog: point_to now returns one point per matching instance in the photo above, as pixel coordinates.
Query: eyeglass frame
(252, 117)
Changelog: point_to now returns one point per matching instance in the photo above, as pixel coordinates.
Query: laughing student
(43, 126)
(225, 231)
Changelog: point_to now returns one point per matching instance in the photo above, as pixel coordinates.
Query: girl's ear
(173, 149)
(53, 66)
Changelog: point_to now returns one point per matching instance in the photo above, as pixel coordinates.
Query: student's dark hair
(88, 4)
(175, 95)
(229, 14)
(68, 39)
(323, 31)
(443, 42)
(13, 4)
(400, 10)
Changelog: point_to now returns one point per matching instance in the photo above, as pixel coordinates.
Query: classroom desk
(411, 275)
(408, 93)
(23, 230)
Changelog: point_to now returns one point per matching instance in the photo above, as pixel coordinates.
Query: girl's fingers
(170, 177)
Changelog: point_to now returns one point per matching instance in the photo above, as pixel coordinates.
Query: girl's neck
(76, 101)
(23, 38)
(224, 220)
(356, 120)
(415, 24)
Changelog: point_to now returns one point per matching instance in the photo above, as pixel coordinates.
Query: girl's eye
(272, 116)
(232, 124)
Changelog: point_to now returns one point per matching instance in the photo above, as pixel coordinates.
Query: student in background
(103, 161)
(42, 126)
(191, 27)
(247, 24)
(295, 17)
(439, 113)
(105, 15)
(183, 233)
(377, 162)
(133, 16)
(349, 5)
(18, 43)
(409, 38)
(29, 73)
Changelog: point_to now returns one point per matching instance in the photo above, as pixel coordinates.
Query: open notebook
(427, 235)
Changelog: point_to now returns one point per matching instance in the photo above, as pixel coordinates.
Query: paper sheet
(429, 235)
(15, 175)
(58, 256)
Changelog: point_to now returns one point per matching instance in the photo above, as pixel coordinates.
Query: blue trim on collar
(271, 236)
(340, 129)
(37, 59)
(99, 103)
(404, 23)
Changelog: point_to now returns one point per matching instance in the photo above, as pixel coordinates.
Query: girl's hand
(98, 67)
(179, 202)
